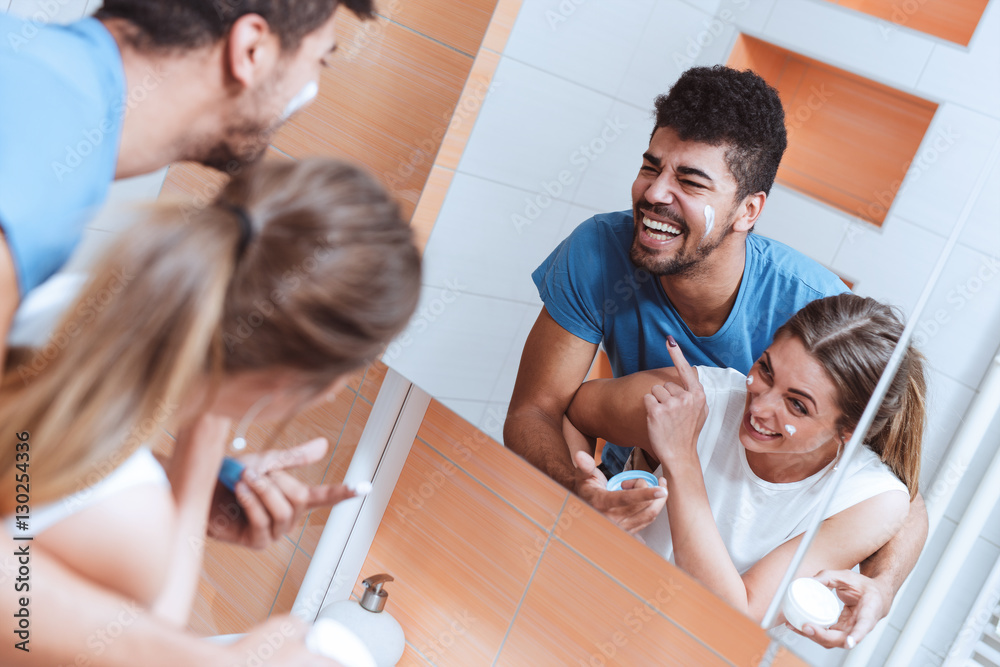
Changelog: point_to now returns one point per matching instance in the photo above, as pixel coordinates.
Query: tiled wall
(572, 92)
(495, 564)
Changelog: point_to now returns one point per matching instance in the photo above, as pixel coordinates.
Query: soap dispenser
(379, 631)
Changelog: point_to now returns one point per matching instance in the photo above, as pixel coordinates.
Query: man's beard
(246, 136)
(681, 263)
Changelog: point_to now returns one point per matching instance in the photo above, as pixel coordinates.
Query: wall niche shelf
(850, 139)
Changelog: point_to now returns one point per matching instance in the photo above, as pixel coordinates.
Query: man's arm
(553, 365)
(868, 598)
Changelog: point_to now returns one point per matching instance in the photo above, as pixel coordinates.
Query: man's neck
(704, 297)
(165, 105)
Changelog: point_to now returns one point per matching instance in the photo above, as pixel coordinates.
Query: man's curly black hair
(720, 105)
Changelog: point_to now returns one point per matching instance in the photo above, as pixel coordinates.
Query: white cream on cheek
(749, 380)
(709, 220)
(790, 429)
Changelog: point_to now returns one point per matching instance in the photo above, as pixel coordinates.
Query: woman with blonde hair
(260, 303)
(746, 458)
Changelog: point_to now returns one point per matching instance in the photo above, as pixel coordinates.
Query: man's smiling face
(682, 203)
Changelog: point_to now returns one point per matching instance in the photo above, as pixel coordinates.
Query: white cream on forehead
(709, 220)
(790, 429)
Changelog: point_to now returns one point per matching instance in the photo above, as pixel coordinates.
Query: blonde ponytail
(122, 357)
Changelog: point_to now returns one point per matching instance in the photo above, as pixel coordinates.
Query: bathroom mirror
(560, 136)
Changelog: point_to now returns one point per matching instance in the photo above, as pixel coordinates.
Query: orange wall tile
(460, 24)
(495, 561)
(576, 614)
(386, 104)
(953, 20)
(501, 25)
(850, 140)
(461, 557)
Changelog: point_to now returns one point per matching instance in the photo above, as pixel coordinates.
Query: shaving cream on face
(709, 220)
(302, 98)
(790, 429)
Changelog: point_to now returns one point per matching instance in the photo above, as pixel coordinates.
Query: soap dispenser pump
(379, 631)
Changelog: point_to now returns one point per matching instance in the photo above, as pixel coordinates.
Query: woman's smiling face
(791, 405)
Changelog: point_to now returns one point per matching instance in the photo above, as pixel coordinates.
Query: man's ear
(252, 50)
(748, 211)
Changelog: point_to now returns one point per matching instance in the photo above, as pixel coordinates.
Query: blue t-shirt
(592, 289)
(62, 103)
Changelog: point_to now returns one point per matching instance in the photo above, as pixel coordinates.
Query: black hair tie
(246, 228)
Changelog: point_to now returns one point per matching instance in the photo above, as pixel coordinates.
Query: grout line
(642, 600)
(417, 651)
(433, 39)
(538, 563)
(495, 493)
(282, 583)
(278, 150)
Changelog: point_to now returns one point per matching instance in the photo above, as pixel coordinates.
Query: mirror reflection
(667, 249)
(564, 135)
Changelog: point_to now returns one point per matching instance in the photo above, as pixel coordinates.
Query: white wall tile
(53, 11)
(504, 386)
(982, 230)
(606, 185)
(944, 169)
(891, 264)
(808, 225)
(964, 485)
(881, 653)
(534, 128)
(93, 6)
(456, 343)
(678, 36)
(589, 43)
(960, 328)
(948, 619)
(947, 402)
(850, 40)
(490, 237)
(971, 74)
(917, 580)
(751, 15)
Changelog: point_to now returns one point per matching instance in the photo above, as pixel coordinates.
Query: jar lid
(815, 602)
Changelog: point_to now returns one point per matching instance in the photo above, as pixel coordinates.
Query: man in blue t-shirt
(139, 86)
(682, 262)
